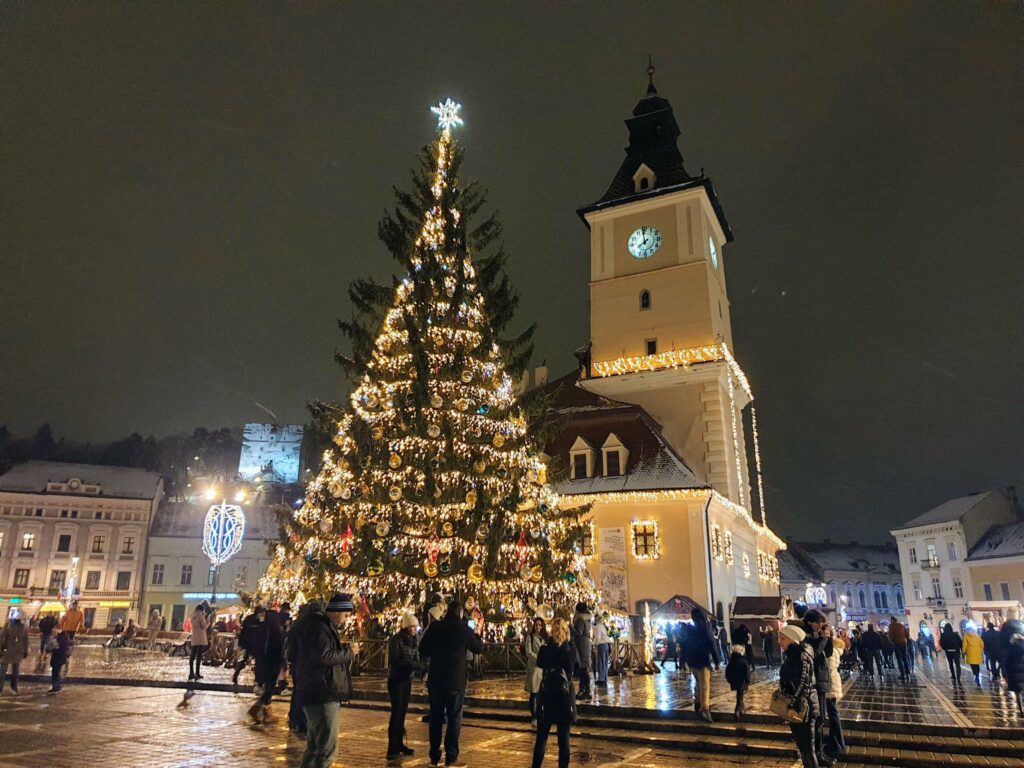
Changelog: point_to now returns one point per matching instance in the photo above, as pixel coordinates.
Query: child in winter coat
(737, 672)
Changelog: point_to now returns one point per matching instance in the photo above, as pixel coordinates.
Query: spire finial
(651, 90)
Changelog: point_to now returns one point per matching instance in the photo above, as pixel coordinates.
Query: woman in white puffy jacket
(834, 744)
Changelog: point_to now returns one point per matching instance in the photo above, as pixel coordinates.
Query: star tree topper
(447, 114)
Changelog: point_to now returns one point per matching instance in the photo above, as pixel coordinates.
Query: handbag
(785, 707)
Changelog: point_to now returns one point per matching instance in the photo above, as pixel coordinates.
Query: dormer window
(614, 456)
(645, 300)
(643, 179)
(581, 459)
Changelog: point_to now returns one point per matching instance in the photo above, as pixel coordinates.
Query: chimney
(540, 375)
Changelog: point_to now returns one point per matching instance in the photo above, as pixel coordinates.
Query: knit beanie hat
(793, 632)
(340, 603)
(409, 620)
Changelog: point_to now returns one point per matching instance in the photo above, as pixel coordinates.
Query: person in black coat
(951, 642)
(558, 658)
(321, 672)
(701, 652)
(871, 650)
(796, 679)
(263, 639)
(1012, 662)
(59, 658)
(403, 663)
(446, 643)
(818, 636)
(992, 639)
(737, 672)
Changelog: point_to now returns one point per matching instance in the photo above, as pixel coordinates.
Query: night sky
(187, 190)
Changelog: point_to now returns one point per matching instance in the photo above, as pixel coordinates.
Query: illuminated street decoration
(222, 533)
(447, 114)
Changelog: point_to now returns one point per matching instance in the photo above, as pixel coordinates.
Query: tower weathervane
(651, 90)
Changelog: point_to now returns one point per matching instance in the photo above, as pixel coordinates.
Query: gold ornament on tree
(475, 573)
(395, 493)
(394, 461)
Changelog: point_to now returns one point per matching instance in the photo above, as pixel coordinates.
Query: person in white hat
(404, 662)
(796, 679)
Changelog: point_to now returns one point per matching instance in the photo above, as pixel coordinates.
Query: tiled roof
(184, 520)
(651, 464)
(115, 482)
(1000, 541)
(946, 512)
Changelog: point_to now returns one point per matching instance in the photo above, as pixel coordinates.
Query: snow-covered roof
(1000, 541)
(113, 482)
(947, 512)
(651, 465)
(793, 570)
(184, 520)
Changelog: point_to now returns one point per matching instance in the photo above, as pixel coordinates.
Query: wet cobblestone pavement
(104, 727)
(930, 698)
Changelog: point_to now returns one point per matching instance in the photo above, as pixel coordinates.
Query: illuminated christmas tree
(433, 484)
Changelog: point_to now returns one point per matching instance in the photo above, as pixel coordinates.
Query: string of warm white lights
(433, 484)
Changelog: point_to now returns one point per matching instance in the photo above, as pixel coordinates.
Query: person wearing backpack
(558, 658)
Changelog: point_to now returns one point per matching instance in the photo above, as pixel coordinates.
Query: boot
(256, 712)
(268, 717)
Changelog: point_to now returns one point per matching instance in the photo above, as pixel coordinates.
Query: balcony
(930, 565)
(937, 602)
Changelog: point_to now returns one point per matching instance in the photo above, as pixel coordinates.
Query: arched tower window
(645, 300)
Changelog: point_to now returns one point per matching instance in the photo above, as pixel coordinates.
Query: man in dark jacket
(320, 668)
(871, 650)
(446, 643)
(992, 641)
(403, 663)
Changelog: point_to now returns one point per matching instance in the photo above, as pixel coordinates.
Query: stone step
(766, 739)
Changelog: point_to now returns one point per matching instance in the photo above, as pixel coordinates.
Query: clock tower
(660, 332)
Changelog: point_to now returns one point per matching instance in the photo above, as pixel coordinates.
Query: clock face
(714, 253)
(644, 242)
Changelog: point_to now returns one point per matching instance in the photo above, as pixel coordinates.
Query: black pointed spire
(651, 90)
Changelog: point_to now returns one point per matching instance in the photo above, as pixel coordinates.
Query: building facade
(851, 583)
(75, 531)
(654, 434)
(178, 574)
(950, 553)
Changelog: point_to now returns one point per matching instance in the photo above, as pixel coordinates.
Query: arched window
(645, 183)
(863, 598)
(885, 601)
(899, 598)
(645, 300)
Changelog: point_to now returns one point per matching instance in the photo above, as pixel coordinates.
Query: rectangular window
(64, 542)
(1004, 589)
(63, 513)
(74, 513)
(951, 548)
(729, 558)
(987, 590)
(127, 545)
(933, 555)
(612, 460)
(158, 573)
(211, 577)
(958, 587)
(124, 580)
(92, 580)
(21, 577)
(186, 574)
(579, 466)
(97, 544)
(912, 554)
(28, 542)
(652, 346)
(916, 585)
(57, 579)
(936, 589)
(587, 543)
(645, 540)
(242, 574)
(2, 542)
(716, 542)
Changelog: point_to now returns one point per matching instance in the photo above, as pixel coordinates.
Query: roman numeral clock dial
(644, 242)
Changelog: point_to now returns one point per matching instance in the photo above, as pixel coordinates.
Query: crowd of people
(566, 659)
